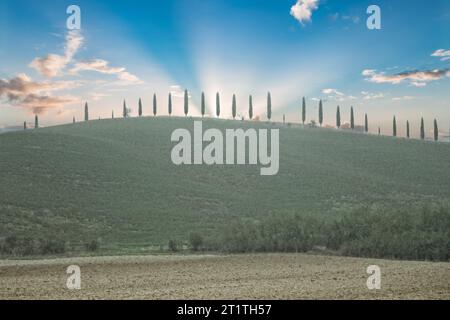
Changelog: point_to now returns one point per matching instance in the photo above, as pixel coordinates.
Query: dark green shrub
(173, 246)
(195, 241)
(92, 246)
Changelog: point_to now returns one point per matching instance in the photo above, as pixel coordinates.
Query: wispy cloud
(22, 91)
(335, 94)
(332, 91)
(442, 53)
(403, 98)
(102, 66)
(178, 92)
(52, 65)
(354, 19)
(416, 78)
(371, 96)
(302, 10)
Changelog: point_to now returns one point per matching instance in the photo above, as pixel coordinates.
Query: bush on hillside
(364, 232)
(195, 241)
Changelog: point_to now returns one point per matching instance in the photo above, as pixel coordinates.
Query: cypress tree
(394, 127)
(140, 108)
(154, 105)
(217, 105)
(24, 125)
(436, 131)
(352, 119)
(170, 104)
(303, 110)
(73, 120)
(36, 122)
(407, 129)
(269, 106)
(203, 108)
(250, 107)
(422, 129)
(284, 118)
(125, 110)
(366, 123)
(186, 103)
(320, 113)
(86, 112)
(338, 117)
(379, 131)
(112, 114)
(233, 107)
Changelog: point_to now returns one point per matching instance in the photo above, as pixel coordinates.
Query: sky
(320, 49)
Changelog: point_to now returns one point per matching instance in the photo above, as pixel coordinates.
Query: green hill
(113, 180)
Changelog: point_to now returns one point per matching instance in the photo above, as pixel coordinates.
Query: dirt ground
(256, 276)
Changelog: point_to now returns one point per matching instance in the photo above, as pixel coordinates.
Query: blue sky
(131, 49)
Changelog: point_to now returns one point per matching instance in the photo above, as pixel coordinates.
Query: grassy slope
(113, 179)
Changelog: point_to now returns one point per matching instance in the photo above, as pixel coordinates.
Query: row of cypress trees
(36, 123)
(366, 122)
(125, 113)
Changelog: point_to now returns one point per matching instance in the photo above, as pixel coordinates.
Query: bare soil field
(251, 276)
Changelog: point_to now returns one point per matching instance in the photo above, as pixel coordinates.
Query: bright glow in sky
(320, 49)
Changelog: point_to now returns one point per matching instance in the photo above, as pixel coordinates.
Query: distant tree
(269, 106)
(203, 107)
(250, 107)
(436, 131)
(407, 129)
(36, 122)
(303, 110)
(366, 123)
(338, 117)
(186, 103)
(154, 105)
(73, 120)
(284, 118)
(170, 104)
(112, 114)
(140, 108)
(352, 118)
(125, 109)
(173, 245)
(195, 241)
(422, 129)
(92, 245)
(24, 125)
(379, 131)
(217, 105)
(394, 127)
(233, 107)
(320, 113)
(86, 112)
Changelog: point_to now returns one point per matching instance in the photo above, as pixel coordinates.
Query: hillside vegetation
(113, 181)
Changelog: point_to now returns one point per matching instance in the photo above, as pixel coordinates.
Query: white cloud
(370, 96)
(102, 66)
(416, 78)
(442, 53)
(332, 91)
(22, 91)
(334, 94)
(177, 92)
(52, 65)
(403, 98)
(302, 10)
